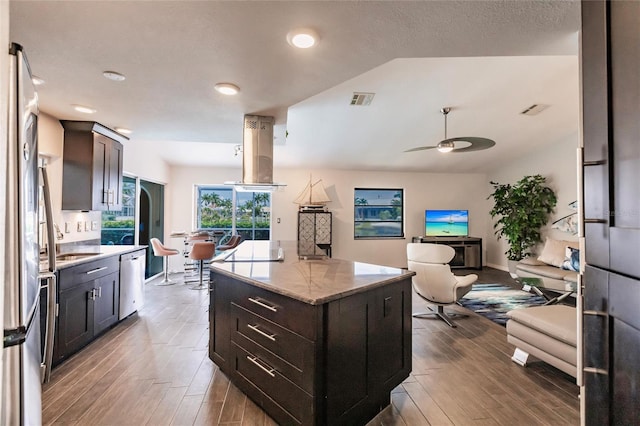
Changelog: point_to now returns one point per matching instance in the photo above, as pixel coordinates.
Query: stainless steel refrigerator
(22, 371)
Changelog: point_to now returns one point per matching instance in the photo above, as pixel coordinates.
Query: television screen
(446, 223)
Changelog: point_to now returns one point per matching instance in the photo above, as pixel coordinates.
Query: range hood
(257, 155)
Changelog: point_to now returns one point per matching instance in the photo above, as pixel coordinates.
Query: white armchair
(434, 280)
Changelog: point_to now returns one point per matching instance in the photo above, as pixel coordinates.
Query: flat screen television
(446, 223)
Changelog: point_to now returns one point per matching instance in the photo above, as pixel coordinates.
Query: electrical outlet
(87, 226)
(67, 227)
(94, 225)
(79, 226)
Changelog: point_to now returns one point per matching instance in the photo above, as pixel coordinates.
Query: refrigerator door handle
(50, 328)
(48, 211)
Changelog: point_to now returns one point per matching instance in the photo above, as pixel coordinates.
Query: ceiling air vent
(534, 109)
(362, 98)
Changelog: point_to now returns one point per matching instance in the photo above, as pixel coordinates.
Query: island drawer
(290, 354)
(258, 372)
(289, 313)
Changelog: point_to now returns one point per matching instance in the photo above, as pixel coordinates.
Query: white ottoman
(549, 333)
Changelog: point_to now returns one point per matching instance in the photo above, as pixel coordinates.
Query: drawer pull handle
(595, 221)
(595, 370)
(595, 313)
(255, 328)
(93, 271)
(254, 360)
(264, 305)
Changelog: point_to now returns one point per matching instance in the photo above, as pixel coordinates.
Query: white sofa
(555, 255)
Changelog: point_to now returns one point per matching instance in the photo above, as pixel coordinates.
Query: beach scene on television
(446, 223)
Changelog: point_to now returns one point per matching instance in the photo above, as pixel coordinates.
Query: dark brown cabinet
(333, 363)
(88, 299)
(92, 167)
(611, 181)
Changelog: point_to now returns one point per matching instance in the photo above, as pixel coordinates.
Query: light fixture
(114, 76)
(303, 38)
(445, 146)
(227, 89)
(84, 109)
(123, 130)
(471, 143)
(37, 80)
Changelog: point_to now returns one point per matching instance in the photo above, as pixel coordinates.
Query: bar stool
(232, 243)
(201, 252)
(160, 250)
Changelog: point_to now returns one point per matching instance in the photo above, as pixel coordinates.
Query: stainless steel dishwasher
(131, 282)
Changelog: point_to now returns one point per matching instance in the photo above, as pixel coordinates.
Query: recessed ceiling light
(114, 76)
(303, 38)
(84, 109)
(227, 88)
(123, 130)
(37, 80)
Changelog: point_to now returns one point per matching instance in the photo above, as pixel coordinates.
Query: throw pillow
(572, 260)
(553, 252)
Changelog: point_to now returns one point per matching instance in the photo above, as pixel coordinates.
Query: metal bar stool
(201, 252)
(160, 250)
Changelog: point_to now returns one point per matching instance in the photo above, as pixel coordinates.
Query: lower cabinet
(334, 363)
(88, 298)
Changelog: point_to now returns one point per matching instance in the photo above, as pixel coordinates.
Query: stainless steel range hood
(257, 155)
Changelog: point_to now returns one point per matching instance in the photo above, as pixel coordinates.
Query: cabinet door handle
(595, 313)
(93, 271)
(255, 328)
(105, 197)
(264, 305)
(92, 294)
(267, 369)
(595, 370)
(99, 291)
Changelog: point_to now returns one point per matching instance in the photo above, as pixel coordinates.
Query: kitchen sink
(74, 256)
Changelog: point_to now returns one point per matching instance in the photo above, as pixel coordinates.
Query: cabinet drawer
(291, 355)
(266, 378)
(89, 271)
(299, 317)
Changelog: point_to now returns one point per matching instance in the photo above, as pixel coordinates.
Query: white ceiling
(488, 60)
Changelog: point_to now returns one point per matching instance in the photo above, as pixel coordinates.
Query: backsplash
(79, 226)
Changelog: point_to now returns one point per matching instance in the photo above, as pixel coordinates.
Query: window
(378, 213)
(118, 227)
(225, 209)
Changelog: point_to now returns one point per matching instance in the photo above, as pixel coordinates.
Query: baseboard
(500, 267)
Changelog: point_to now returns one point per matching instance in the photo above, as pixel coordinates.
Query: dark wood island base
(312, 342)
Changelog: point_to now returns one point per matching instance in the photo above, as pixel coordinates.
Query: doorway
(151, 201)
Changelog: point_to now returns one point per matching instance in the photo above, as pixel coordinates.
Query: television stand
(468, 250)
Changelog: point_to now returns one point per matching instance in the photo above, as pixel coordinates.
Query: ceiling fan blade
(477, 144)
(420, 148)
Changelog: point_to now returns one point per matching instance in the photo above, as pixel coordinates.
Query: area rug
(495, 300)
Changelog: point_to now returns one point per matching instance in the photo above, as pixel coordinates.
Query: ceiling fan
(473, 143)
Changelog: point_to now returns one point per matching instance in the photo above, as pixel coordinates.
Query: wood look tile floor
(153, 369)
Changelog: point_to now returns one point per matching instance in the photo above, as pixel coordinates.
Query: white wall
(421, 191)
(557, 162)
(4, 104)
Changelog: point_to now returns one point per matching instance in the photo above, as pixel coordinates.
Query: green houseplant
(522, 209)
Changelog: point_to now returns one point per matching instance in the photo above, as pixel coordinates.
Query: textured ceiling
(487, 59)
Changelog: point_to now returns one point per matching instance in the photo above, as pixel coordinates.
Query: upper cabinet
(92, 167)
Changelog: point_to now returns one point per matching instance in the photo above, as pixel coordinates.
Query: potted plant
(522, 210)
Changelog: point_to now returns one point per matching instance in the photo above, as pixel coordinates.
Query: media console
(468, 250)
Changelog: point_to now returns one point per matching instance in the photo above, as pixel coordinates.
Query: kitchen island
(312, 341)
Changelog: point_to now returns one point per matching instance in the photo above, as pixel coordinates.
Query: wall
(4, 103)
(422, 190)
(557, 162)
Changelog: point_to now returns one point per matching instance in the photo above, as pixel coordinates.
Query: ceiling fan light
(445, 146)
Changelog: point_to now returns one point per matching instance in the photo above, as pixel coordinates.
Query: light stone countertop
(314, 281)
(96, 253)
